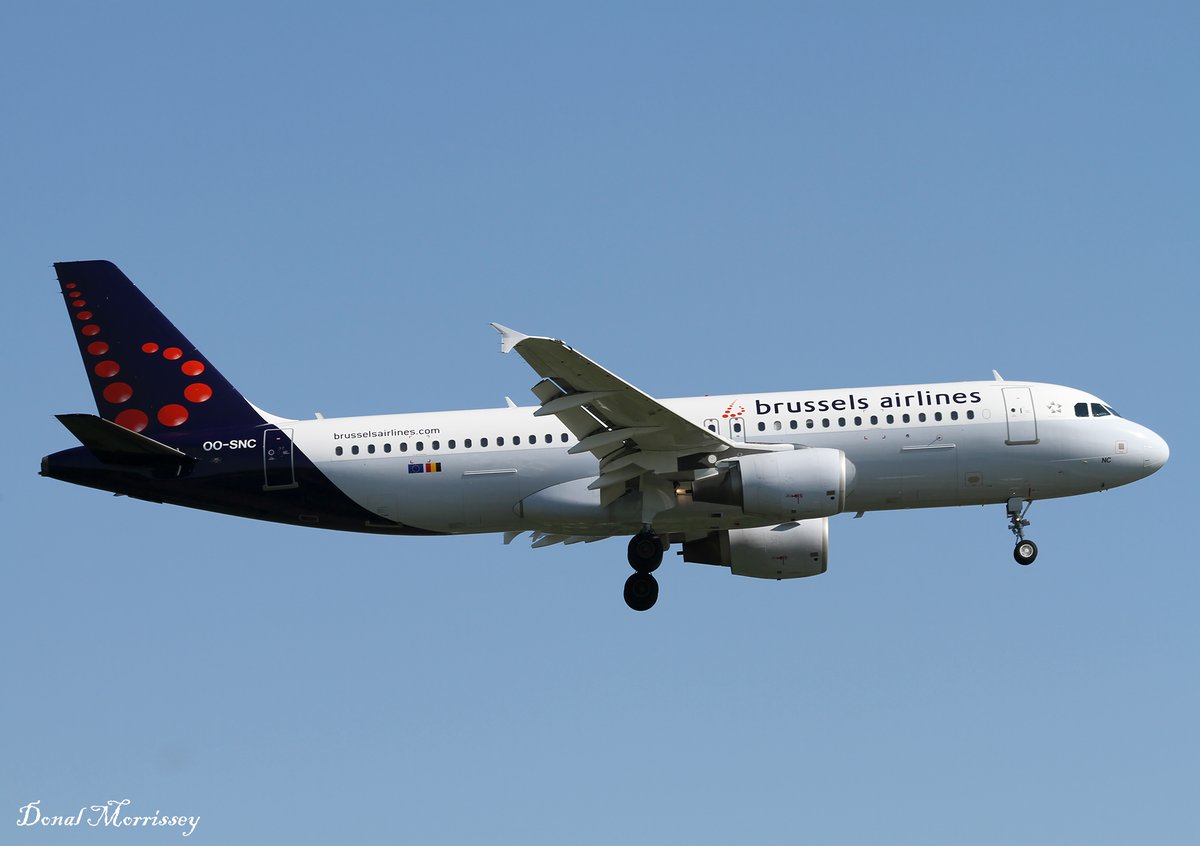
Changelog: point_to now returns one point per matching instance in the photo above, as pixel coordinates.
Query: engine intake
(794, 485)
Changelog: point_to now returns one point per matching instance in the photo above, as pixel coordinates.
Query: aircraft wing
(628, 431)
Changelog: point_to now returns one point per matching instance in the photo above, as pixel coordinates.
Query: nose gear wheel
(1026, 550)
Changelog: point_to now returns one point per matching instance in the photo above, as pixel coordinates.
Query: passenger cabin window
(354, 449)
(483, 442)
(420, 446)
(387, 447)
(516, 440)
(762, 427)
(565, 437)
(550, 438)
(435, 445)
(500, 441)
(450, 444)
(338, 451)
(371, 448)
(467, 443)
(404, 446)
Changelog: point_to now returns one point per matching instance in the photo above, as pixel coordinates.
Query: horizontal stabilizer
(115, 444)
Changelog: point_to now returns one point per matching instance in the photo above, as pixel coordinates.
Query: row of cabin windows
(873, 420)
(435, 446)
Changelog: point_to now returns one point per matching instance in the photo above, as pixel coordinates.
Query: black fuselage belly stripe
(232, 483)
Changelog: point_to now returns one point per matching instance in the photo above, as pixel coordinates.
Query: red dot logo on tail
(133, 419)
(197, 392)
(117, 392)
(172, 415)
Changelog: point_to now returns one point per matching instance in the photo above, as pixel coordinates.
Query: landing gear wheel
(641, 591)
(645, 553)
(1025, 550)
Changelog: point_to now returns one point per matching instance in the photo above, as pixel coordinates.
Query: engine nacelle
(787, 551)
(794, 485)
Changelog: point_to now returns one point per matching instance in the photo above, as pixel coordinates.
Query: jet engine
(786, 551)
(793, 485)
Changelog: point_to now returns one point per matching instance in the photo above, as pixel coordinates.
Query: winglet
(509, 338)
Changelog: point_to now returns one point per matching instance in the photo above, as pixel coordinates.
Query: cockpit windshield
(1095, 409)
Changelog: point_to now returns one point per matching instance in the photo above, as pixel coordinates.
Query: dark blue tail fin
(145, 374)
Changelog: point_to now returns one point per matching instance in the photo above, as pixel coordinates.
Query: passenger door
(1022, 422)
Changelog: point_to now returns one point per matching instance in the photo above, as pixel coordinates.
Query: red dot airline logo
(129, 408)
(734, 409)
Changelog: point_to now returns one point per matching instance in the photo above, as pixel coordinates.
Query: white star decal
(1055, 408)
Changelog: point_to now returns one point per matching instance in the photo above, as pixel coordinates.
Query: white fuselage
(911, 446)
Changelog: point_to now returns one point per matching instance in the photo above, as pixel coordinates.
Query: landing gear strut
(645, 554)
(1025, 550)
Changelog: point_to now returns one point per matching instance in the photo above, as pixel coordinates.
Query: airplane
(745, 481)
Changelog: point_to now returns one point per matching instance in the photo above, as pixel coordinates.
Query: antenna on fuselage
(999, 378)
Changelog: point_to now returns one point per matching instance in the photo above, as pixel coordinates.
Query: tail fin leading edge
(145, 375)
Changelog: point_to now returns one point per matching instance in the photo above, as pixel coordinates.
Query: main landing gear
(1025, 550)
(645, 554)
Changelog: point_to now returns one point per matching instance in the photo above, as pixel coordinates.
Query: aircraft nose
(1157, 453)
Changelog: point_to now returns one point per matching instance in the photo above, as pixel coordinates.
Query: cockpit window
(1111, 411)
(1099, 411)
(1081, 409)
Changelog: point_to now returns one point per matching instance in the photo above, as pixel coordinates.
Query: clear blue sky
(706, 198)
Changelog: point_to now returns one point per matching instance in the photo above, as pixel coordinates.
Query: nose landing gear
(1026, 550)
(645, 554)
